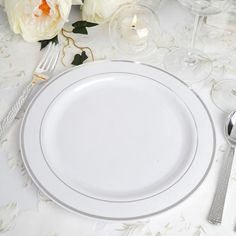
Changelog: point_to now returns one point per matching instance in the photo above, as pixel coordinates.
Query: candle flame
(134, 21)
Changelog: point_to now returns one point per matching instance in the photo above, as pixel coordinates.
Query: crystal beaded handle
(42, 72)
(11, 115)
(216, 211)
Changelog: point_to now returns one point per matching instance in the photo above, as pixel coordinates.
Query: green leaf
(44, 43)
(79, 58)
(90, 24)
(81, 25)
(80, 31)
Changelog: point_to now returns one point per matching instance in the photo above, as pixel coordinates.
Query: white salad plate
(117, 140)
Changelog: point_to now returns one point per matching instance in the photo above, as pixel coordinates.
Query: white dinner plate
(117, 140)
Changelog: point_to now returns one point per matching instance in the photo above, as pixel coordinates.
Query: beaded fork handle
(11, 115)
(42, 72)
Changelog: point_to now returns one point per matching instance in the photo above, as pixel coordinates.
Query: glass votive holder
(133, 30)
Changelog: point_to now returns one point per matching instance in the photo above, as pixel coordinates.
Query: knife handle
(217, 208)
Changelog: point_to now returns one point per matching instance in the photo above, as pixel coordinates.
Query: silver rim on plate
(67, 206)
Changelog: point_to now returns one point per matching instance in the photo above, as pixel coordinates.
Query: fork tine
(53, 61)
(48, 58)
(45, 55)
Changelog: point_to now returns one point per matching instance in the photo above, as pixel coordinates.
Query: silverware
(216, 211)
(42, 73)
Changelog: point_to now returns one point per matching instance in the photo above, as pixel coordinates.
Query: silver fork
(42, 72)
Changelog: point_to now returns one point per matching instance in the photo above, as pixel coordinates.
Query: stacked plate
(117, 140)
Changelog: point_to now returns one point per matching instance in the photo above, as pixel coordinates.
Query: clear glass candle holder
(223, 94)
(134, 29)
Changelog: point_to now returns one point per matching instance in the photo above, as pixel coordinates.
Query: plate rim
(75, 210)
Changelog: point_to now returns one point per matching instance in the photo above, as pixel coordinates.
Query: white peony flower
(100, 11)
(37, 19)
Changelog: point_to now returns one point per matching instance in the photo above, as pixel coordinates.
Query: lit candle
(133, 29)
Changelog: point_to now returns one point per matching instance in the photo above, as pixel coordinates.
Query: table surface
(26, 211)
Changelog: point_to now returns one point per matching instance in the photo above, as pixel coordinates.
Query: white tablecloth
(24, 211)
